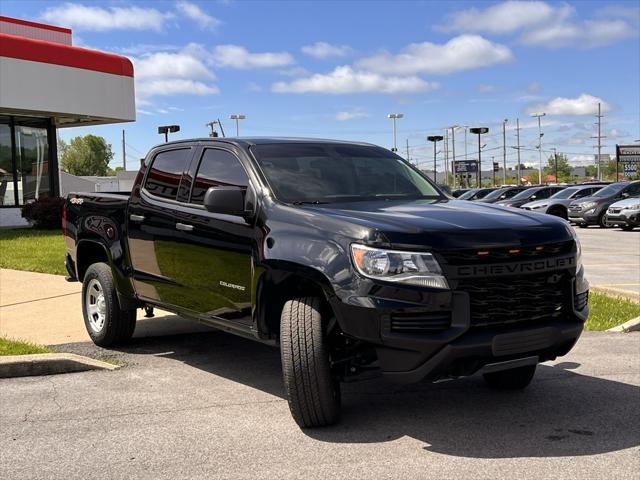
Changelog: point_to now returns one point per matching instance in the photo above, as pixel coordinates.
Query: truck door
(214, 250)
(152, 216)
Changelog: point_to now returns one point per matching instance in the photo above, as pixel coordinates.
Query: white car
(625, 213)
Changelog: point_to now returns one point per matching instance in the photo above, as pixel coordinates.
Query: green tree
(564, 170)
(88, 155)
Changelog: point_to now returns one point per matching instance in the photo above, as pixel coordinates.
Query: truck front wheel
(107, 324)
(312, 392)
(513, 379)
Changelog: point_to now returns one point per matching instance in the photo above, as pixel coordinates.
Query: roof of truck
(248, 141)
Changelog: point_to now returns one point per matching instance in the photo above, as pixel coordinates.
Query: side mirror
(624, 195)
(533, 197)
(227, 200)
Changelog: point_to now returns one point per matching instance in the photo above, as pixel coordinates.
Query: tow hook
(148, 312)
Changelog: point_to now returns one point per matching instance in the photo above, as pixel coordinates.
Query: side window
(217, 168)
(585, 192)
(165, 173)
(633, 190)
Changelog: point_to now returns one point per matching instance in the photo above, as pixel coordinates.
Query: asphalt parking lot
(211, 405)
(611, 259)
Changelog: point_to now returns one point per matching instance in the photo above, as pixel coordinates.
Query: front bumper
(624, 217)
(459, 349)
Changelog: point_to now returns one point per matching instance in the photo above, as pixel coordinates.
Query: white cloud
(169, 64)
(587, 34)
(482, 88)
(350, 115)
(325, 50)
(143, 112)
(195, 13)
(504, 17)
(234, 56)
(345, 80)
(174, 86)
(585, 104)
(464, 52)
(534, 87)
(548, 25)
(83, 17)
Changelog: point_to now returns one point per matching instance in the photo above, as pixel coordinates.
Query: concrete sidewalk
(46, 309)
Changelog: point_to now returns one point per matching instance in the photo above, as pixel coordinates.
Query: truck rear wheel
(513, 379)
(312, 392)
(107, 324)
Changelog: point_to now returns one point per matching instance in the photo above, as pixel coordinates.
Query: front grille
(575, 208)
(614, 210)
(419, 323)
(508, 254)
(516, 299)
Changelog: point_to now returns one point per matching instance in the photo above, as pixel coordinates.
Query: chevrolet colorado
(342, 254)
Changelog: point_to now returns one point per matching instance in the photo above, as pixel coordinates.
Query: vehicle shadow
(562, 413)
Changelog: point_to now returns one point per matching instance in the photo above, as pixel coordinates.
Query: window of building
(27, 171)
(165, 173)
(217, 168)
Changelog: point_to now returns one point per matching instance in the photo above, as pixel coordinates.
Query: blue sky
(336, 69)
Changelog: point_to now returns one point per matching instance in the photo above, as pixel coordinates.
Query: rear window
(165, 173)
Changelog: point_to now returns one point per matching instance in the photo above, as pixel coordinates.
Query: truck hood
(450, 223)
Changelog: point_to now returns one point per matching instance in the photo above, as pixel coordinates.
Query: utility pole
(408, 150)
(124, 152)
(453, 152)
(518, 149)
(493, 170)
(504, 154)
(540, 134)
(555, 162)
(599, 137)
(446, 156)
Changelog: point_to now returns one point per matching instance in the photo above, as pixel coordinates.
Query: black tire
(583, 225)
(513, 379)
(312, 392)
(117, 325)
(602, 222)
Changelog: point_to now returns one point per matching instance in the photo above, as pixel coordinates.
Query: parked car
(592, 210)
(343, 255)
(476, 193)
(529, 195)
(502, 193)
(625, 213)
(458, 192)
(557, 203)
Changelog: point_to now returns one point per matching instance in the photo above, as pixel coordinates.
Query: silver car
(625, 213)
(557, 203)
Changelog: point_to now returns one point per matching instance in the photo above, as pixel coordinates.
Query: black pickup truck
(342, 254)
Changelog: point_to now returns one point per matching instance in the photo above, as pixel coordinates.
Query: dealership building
(46, 83)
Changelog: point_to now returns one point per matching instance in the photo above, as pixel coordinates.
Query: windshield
(495, 194)
(467, 195)
(526, 193)
(326, 173)
(566, 193)
(610, 190)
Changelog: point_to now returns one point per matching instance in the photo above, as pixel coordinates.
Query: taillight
(64, 220)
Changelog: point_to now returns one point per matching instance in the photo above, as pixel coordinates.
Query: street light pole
(479, 131)
(237, 117)
(540, 134)
(435, 139)
(394, 117)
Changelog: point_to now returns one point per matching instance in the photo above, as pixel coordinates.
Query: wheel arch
(284, 281)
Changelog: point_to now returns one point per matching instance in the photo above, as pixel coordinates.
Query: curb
(48, 364)
(618, 292)
(632, 325)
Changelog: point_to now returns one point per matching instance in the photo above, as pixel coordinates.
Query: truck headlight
(587, 205)
(412, 268)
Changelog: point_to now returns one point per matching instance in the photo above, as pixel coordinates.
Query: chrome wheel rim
(96, 306)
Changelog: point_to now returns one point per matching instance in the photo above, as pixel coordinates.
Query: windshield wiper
(309, 202)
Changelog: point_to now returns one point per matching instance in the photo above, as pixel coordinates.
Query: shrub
(45, 212)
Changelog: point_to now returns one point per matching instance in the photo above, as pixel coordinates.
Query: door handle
(136, 218)
(184, 227)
